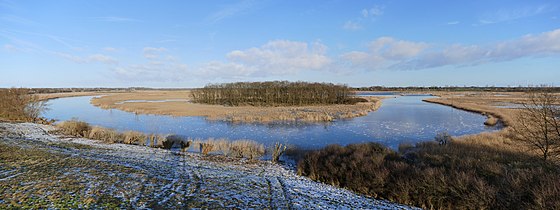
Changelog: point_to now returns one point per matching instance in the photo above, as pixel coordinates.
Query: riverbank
(496, 106)
(43, 170)
(176, 103)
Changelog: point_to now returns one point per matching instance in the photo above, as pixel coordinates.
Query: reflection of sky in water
(404, 119)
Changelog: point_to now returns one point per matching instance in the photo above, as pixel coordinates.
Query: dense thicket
(276, 93)
(457, 175)
(19, 105)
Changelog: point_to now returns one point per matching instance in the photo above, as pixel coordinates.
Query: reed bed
(238, 149)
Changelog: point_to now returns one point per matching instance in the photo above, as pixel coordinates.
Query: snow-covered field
(38, 169)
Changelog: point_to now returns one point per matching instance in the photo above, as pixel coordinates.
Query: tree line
(274, 93)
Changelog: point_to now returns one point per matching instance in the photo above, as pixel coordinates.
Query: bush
(443, 138)
(74, 128)
(277, 151)
(17, 104)
(461, 175)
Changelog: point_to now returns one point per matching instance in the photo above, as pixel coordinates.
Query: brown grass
(106, 135)
(464, 174)
(74, 128)
(134, 137)
(247, 149)
(233, 114)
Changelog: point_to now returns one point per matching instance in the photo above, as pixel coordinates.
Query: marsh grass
(134, 137)
(247, 149)
(74, 128)
(105, 134)
(238, 149)
(476, 172)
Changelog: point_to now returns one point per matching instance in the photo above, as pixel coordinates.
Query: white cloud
(393, 49)
(505, 15)
(153, 52)
(110, 49)
(453, 23)
(101, 58)
(95, 58)
(540, 45)
(153, 71)
(282, 57)
(375, 11)
(351, 25)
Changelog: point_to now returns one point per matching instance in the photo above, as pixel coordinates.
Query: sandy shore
(177, 104)
(43, 170)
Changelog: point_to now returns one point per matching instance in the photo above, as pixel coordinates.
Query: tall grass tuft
(134, 137)
(105, 134)
(74, 128)
(247, 149)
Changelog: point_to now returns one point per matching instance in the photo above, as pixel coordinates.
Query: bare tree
(538, 124)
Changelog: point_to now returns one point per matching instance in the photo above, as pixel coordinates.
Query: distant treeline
(97, 89)
(457, 88)
(275, 93)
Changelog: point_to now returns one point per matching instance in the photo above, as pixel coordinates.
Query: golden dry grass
(47, 96)
(233, 114)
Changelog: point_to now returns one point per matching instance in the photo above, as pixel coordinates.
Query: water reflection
(404, 119)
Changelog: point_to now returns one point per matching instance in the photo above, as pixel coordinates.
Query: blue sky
(111, 43)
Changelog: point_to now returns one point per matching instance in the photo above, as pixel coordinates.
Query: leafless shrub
(277, 151)
(19, 105)
(538, 124)
(461, 175)
(443, 138)
(206, 147)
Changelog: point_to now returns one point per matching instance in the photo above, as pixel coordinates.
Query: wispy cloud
(452, 23)
(95, 58)
(375, 11)
(506, 15)
(159, 66)
(391, 53)
(231, 11)
(110, 49)
(17, 20)
(153, 52)
(115, 19)
(351, 25)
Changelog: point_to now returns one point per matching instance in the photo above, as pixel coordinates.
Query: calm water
(404, 119)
